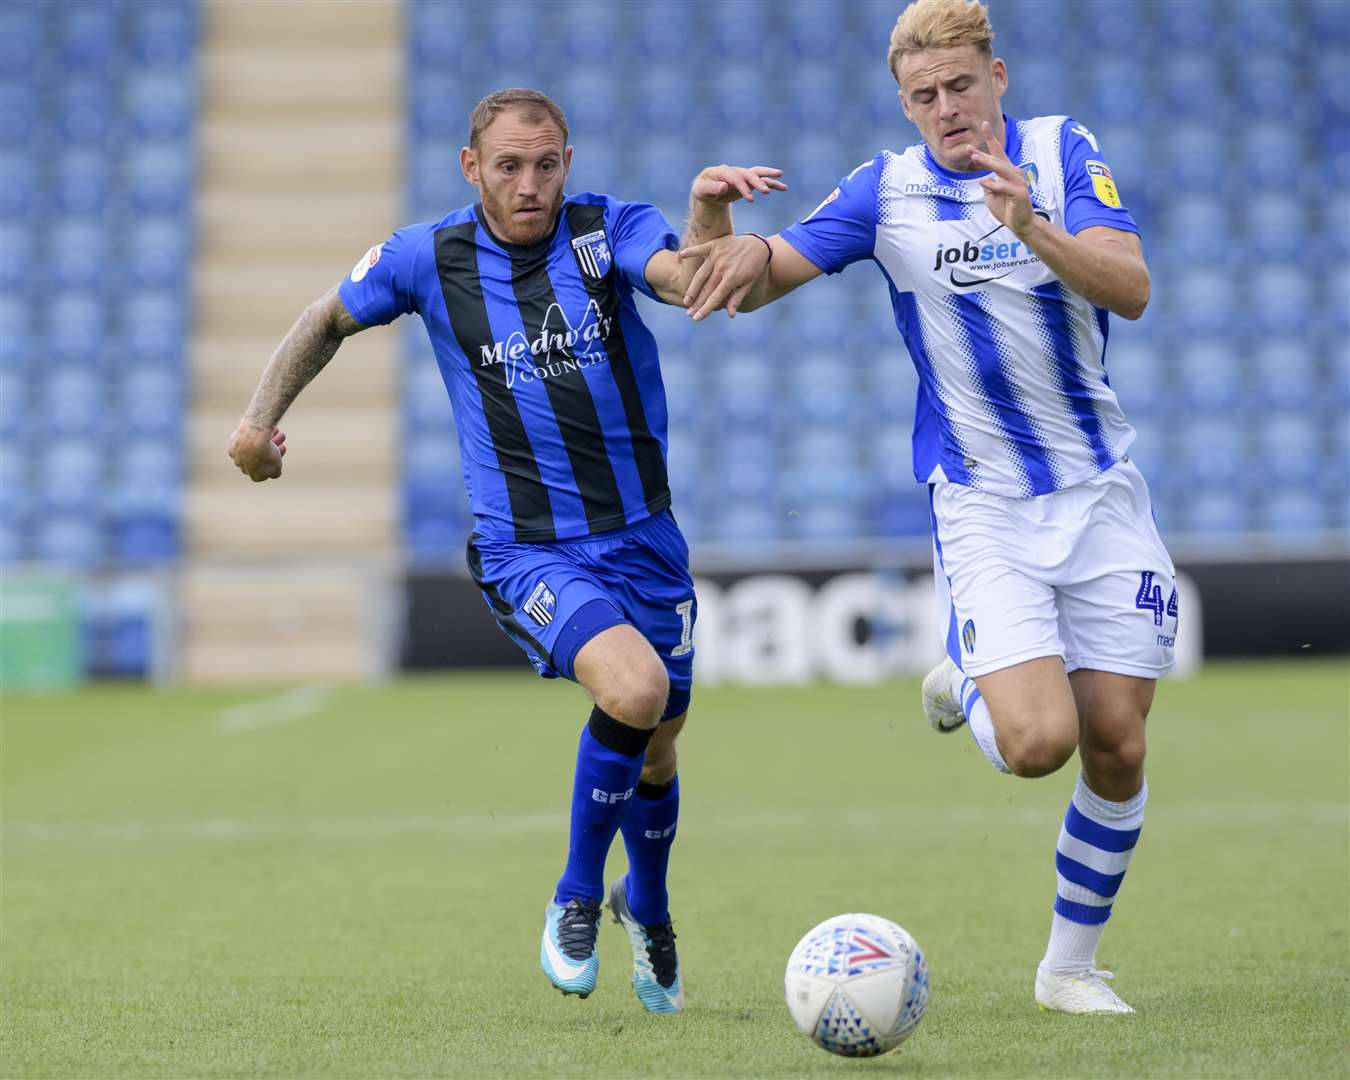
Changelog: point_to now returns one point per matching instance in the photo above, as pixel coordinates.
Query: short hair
(940, 24)
(536, 108)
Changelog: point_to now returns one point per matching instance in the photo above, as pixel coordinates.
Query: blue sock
(648, 832)
(609, 763)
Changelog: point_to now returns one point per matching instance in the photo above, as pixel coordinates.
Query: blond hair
(940, 24)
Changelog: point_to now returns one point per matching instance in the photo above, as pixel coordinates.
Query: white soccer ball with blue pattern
(857, 985)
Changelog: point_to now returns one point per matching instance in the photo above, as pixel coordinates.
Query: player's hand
(1006, 192)
(258, 453)
(731, 266)
(727, 183)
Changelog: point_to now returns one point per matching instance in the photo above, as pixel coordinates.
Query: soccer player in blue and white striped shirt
(1004, 245)
(527, 297)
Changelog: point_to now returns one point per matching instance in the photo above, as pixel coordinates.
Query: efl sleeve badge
(1103, 184)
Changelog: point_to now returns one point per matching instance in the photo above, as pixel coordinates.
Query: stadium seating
(1237, 379)
(97, 107)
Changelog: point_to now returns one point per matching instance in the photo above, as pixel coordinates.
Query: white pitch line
(299, 703)
(376, 826)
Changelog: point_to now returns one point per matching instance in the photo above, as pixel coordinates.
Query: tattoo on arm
(707, 221)
(302, 354)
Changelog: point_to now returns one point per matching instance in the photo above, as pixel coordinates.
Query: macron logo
(611, 796)
(1091, 138)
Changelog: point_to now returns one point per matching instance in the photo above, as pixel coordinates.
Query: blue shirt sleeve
(843, 228)
(637, 231)
(1090, 193)
(380, 287)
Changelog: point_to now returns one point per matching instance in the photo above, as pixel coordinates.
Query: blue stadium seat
(904, 513)
(1284, 374)
(160, 104)
(17, 495)
(159, 176)
(1280, 299)
(86, 111)
(1212, 510)
(150, 402)
(1189, 23)
(157, 251)
(1276, 225)
(90, 36)
(155, 324)
(18, 113)
(1205, 303)
(21, 40)
(1289, 449)
(76, 325)
(1120, 91)
(1295, 510)
(16, 253)
(163, 34)
(73, 402)
(69, 540)
(79, 251)
(1207, 378)
(83, 180)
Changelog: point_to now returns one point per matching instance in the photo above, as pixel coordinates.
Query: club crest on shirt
(1030, 173)
(1103, 184)
(365, 262)
(593, 254)
(541, 604)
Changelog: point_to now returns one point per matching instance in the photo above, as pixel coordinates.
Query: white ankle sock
(979, 721)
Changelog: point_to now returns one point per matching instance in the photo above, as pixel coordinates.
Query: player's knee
(638, 698)
(1037, 751)
(1121, 749)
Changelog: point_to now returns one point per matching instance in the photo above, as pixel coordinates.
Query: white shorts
(1080, 574)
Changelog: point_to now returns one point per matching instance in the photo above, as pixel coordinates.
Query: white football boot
(1077, 992)
(656, 967)
(942, 709)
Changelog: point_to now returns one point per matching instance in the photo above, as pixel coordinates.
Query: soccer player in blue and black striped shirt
(527, 297)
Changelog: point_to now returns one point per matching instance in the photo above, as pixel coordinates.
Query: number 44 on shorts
(1149, 598)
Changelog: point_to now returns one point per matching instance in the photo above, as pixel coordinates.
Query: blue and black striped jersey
(554, 378)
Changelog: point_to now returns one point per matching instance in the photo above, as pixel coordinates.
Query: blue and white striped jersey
(1013, 396)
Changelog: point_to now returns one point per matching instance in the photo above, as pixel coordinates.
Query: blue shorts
(552, 598)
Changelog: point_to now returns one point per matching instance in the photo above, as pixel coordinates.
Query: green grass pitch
(352, 884)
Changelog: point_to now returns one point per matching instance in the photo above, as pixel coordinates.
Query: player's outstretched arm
(257, 446)
(710, 198)
(1103, 265)
(741, 273)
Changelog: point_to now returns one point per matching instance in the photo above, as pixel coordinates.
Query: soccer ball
(857, 985)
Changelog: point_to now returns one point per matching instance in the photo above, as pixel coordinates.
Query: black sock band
(617, 736)
(654, 791)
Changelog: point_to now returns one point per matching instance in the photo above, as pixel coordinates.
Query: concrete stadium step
(259, 77)
(225, 372)
(299, 515)
(304, 25)
(262, 298)
(323, 152)
(322, 442)
(300, 172)
(237, 225)
(282, 622)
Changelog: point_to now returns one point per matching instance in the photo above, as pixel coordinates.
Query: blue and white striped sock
(979, 721)
(1094, 849)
